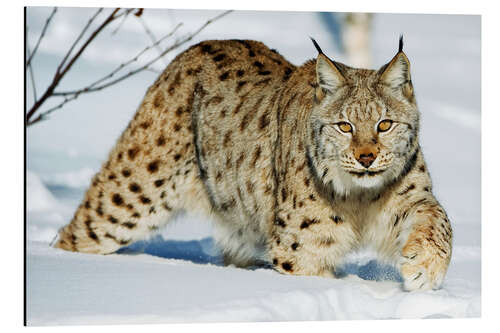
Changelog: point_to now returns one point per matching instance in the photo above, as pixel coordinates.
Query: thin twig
(60, 73)
(30, 70)
(72, 95)
(152, 70)
(43, 115)
(121, 22)
(84, 30)
(151, 35)
(117, 69)
(42, 34)
(174, 46)
(89, 40)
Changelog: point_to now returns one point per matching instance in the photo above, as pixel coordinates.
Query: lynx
(297, 165)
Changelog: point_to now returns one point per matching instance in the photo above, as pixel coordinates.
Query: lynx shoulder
(297, 165)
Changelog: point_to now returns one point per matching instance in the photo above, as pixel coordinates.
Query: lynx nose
(366, 155)
(366, 159)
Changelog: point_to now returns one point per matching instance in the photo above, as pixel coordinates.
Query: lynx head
(364, 124)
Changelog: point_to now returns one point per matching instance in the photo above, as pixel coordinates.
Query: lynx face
(365, 123)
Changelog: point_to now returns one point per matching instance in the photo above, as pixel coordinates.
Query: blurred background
(67, 148)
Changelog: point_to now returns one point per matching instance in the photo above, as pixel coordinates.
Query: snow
(152, 287)
(39, 198)
(78, 178)
(177, 275)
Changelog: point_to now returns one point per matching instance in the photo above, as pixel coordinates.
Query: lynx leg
(112, 217)
(149, 176)
(426, 254)
(311, 243)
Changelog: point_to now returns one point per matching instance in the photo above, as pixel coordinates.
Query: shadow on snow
(204, 251)
(197, 251)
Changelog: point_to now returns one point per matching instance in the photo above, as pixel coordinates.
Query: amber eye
(345, 127)
(384, 125)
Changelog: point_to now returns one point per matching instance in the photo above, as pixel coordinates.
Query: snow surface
(177, 275)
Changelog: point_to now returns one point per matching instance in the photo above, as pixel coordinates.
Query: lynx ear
(328, 74)
(397, 71)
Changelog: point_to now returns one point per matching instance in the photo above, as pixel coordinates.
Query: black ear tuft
(316, 46)
(400, 43)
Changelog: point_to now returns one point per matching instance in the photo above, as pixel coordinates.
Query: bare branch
(152, 70)
(30, 70)
(42, 34)
(117, 69)
(89, 40)
(139, 12)
(72, 95)
(84, 30)
(150, 34)
(43, 115)
(121, 22)
(146, 66)
(60, 74)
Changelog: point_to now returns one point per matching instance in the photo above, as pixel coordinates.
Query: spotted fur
(232, 129)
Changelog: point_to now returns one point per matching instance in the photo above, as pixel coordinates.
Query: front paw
(423, 264)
